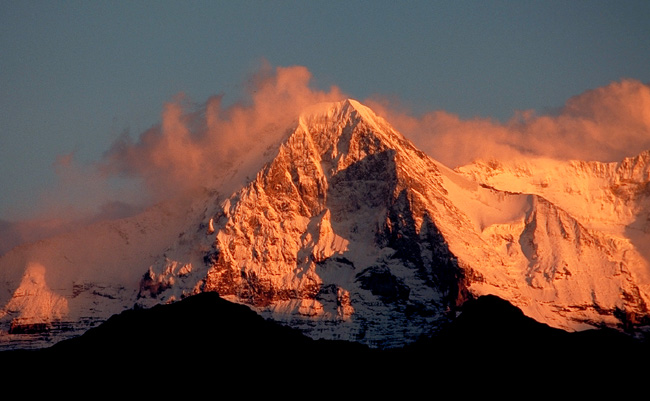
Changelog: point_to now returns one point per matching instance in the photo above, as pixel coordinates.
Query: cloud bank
(184, 151)
(604, 124)
(189, 146)
(195, 141)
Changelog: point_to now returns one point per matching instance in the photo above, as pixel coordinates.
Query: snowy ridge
(604, 196)
(518, 246)
(612, 198)
(603, 208)
(83, 277)
(343, 228)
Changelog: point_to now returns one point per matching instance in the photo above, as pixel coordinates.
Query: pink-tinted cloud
(189, 146)
(79, 196)
(606, 124)
(186, 150)
(192, 143)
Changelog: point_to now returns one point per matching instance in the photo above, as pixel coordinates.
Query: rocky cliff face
(350, 232)
(331, 235)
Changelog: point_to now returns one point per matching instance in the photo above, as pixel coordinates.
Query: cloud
(79, 196)
(14, 233)
(191, 144)
(605, 124)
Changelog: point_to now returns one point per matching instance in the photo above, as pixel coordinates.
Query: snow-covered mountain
(347, 231)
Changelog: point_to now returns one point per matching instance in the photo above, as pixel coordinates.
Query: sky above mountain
(93, 93)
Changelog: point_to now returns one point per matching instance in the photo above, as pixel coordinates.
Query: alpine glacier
(347, 231)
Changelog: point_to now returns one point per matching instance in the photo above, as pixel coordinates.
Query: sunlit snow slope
(341, 227)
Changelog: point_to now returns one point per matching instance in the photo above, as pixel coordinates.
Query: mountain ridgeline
(345, 231)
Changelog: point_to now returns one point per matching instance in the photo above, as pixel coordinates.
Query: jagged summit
(347, 231)
(339, 110)
(327, 122)
(351, 216)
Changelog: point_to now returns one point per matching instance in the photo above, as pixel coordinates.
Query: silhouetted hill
(492, 327)
(206, 332)
(198, 328)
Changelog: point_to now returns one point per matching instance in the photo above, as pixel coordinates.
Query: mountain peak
(348, 231)
(342, 111)
(348, 130)
(353, 104)
(347, 104)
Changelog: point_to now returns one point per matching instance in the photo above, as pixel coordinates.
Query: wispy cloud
(188, 146)
(605, 124)
(193, 141)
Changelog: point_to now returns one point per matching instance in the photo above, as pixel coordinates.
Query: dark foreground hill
(206, 335)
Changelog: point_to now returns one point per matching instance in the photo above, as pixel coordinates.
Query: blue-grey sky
(75, 75)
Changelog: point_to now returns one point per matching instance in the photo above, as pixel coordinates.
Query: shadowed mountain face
(347, 232)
